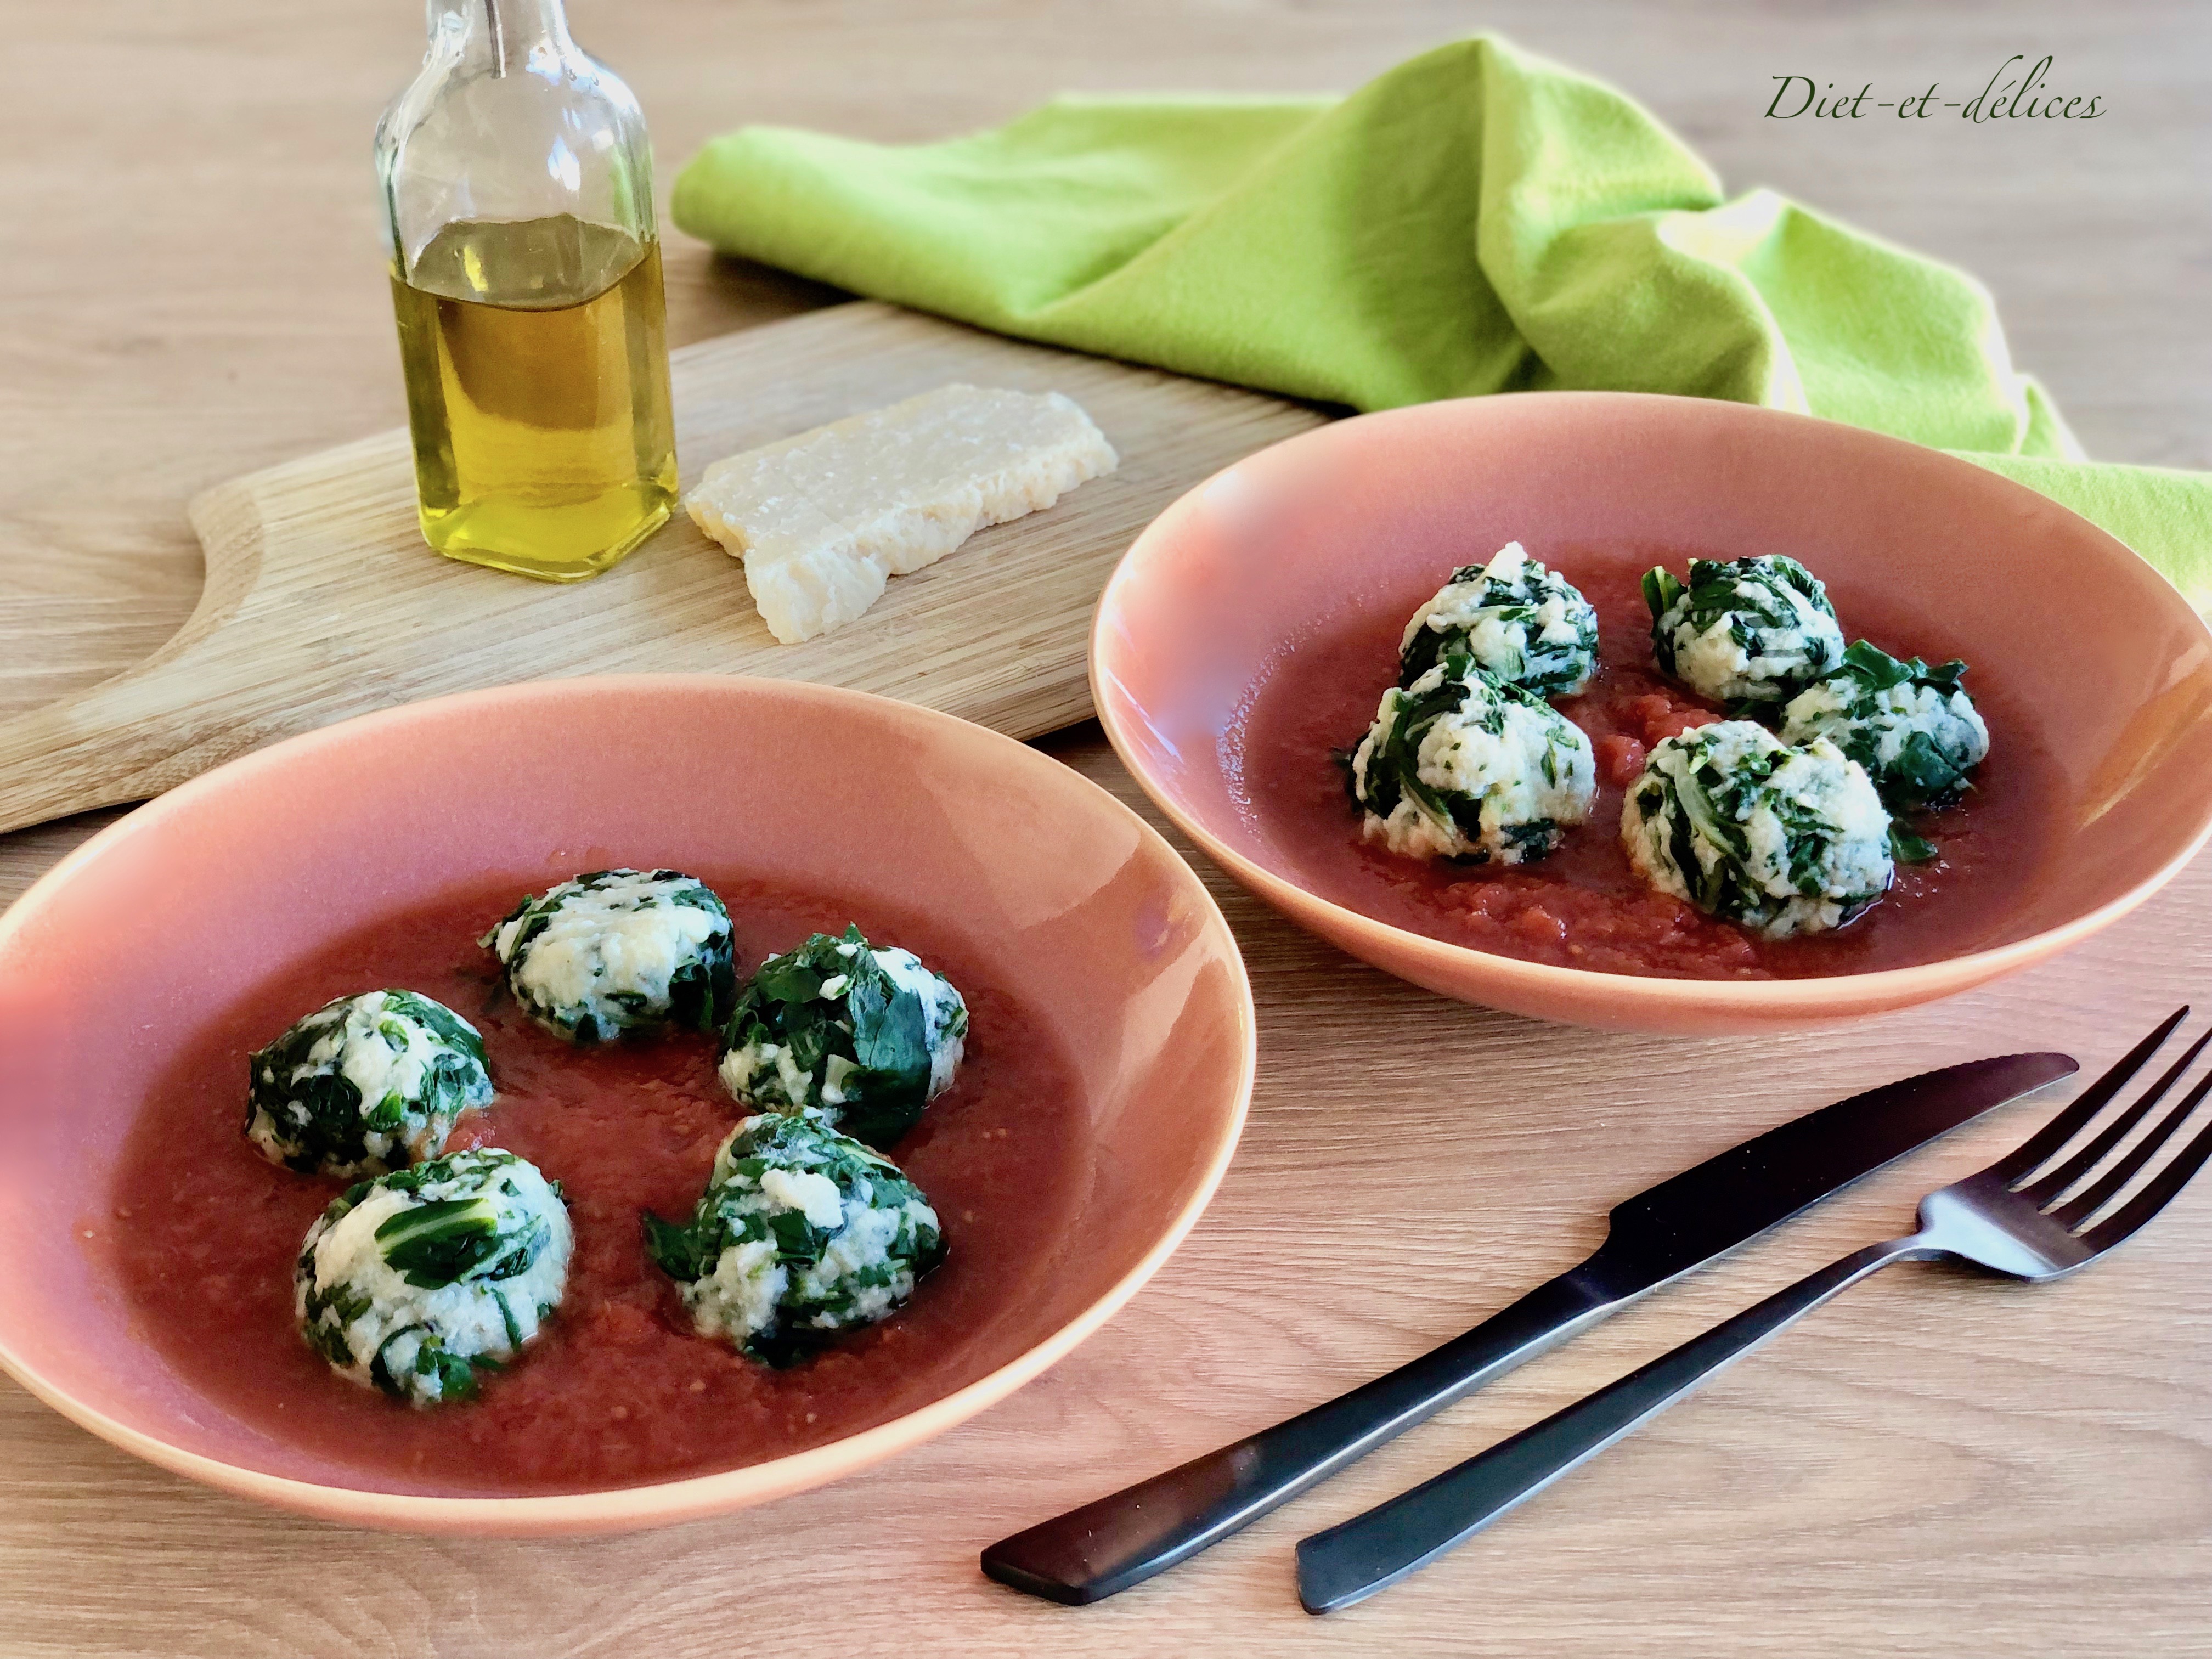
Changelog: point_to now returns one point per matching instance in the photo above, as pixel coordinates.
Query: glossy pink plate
(2110, 669)
(112, 961)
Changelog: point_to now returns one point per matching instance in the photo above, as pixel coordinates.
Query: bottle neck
(500, 37)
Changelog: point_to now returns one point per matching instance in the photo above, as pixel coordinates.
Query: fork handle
(1090, 1553)
(1351, 1561)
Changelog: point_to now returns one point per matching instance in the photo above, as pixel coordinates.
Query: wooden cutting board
(322, 600)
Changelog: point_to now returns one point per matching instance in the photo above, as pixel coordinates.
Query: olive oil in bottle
(536, 370)
(525, 275)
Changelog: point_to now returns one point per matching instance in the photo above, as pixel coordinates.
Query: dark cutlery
(1682, 1223)
(2028, 1229)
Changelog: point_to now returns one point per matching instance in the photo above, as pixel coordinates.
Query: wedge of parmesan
(824, 520)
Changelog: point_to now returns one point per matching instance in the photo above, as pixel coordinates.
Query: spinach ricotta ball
(802, 1233)
(619, 951)
(1527, 625)
(365, 1084)
(866, 1037)
(1750, 630)
(1913, 728)
(1777, 839)
(1461, 765)
(416, 1281)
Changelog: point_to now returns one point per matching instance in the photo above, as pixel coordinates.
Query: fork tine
(2077, 1211)
(2153, 1198)
(2082, 1163)
(2060, 1129)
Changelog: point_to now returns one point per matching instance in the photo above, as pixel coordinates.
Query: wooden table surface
(1938, 1463)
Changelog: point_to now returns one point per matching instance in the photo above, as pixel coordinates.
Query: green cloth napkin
(1475, 219)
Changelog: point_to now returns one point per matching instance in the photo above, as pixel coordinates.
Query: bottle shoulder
(568, 89)
(557, 134)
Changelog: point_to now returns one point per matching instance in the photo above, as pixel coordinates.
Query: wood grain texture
(1935, 1464)
(53, 641)
(321, 599)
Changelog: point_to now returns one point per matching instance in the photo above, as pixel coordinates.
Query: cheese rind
(824, 519)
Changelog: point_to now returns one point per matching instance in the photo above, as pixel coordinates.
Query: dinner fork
(2016, 1217)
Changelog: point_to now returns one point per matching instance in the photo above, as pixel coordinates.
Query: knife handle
(1353, 1560)
(1090, 1553)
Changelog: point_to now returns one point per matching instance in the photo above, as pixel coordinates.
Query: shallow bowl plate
(111, 963)
(2108, 668)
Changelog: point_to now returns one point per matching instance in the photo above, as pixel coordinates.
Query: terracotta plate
(110, 963)
(2106, 672)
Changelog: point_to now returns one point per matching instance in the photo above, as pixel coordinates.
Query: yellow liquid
(537, 362)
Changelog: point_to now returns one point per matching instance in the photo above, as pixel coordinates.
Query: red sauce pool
(619, 1389)
(1584, 906)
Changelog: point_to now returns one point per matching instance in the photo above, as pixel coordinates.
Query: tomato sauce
(620, 1389)
(1584, 906)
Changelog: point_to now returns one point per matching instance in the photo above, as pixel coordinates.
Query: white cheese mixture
(1804, 848)
(372, 1310)
(1527, 772)
(1773, 639)
(608, 948)
(376, 1044)
(742, 1294)
(1524, 623)
(1840, 710)
(766, 1073)
(356, 1048)
(863, 1248)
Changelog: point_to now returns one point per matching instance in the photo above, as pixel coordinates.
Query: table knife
(1685, 1221)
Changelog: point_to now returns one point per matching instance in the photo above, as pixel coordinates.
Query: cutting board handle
(122, 740)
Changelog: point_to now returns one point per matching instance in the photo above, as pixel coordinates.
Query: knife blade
(1664, 1232)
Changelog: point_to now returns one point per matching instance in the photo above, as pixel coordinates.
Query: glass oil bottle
(526, 277)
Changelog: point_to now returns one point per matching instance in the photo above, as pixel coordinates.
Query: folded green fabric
(1475, 219)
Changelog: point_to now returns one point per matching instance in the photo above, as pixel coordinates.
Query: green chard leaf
(1907, 847)
(449, 1239)
(678, 1251)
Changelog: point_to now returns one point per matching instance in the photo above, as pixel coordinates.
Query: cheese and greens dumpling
(617, 951)
(1461, 765)
(1528, 626)
(415, 1282)
(1912, 727)
(866, 1037)
(802, 1233)
(1749, 630)
(365, 1084)
(1775, 838)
